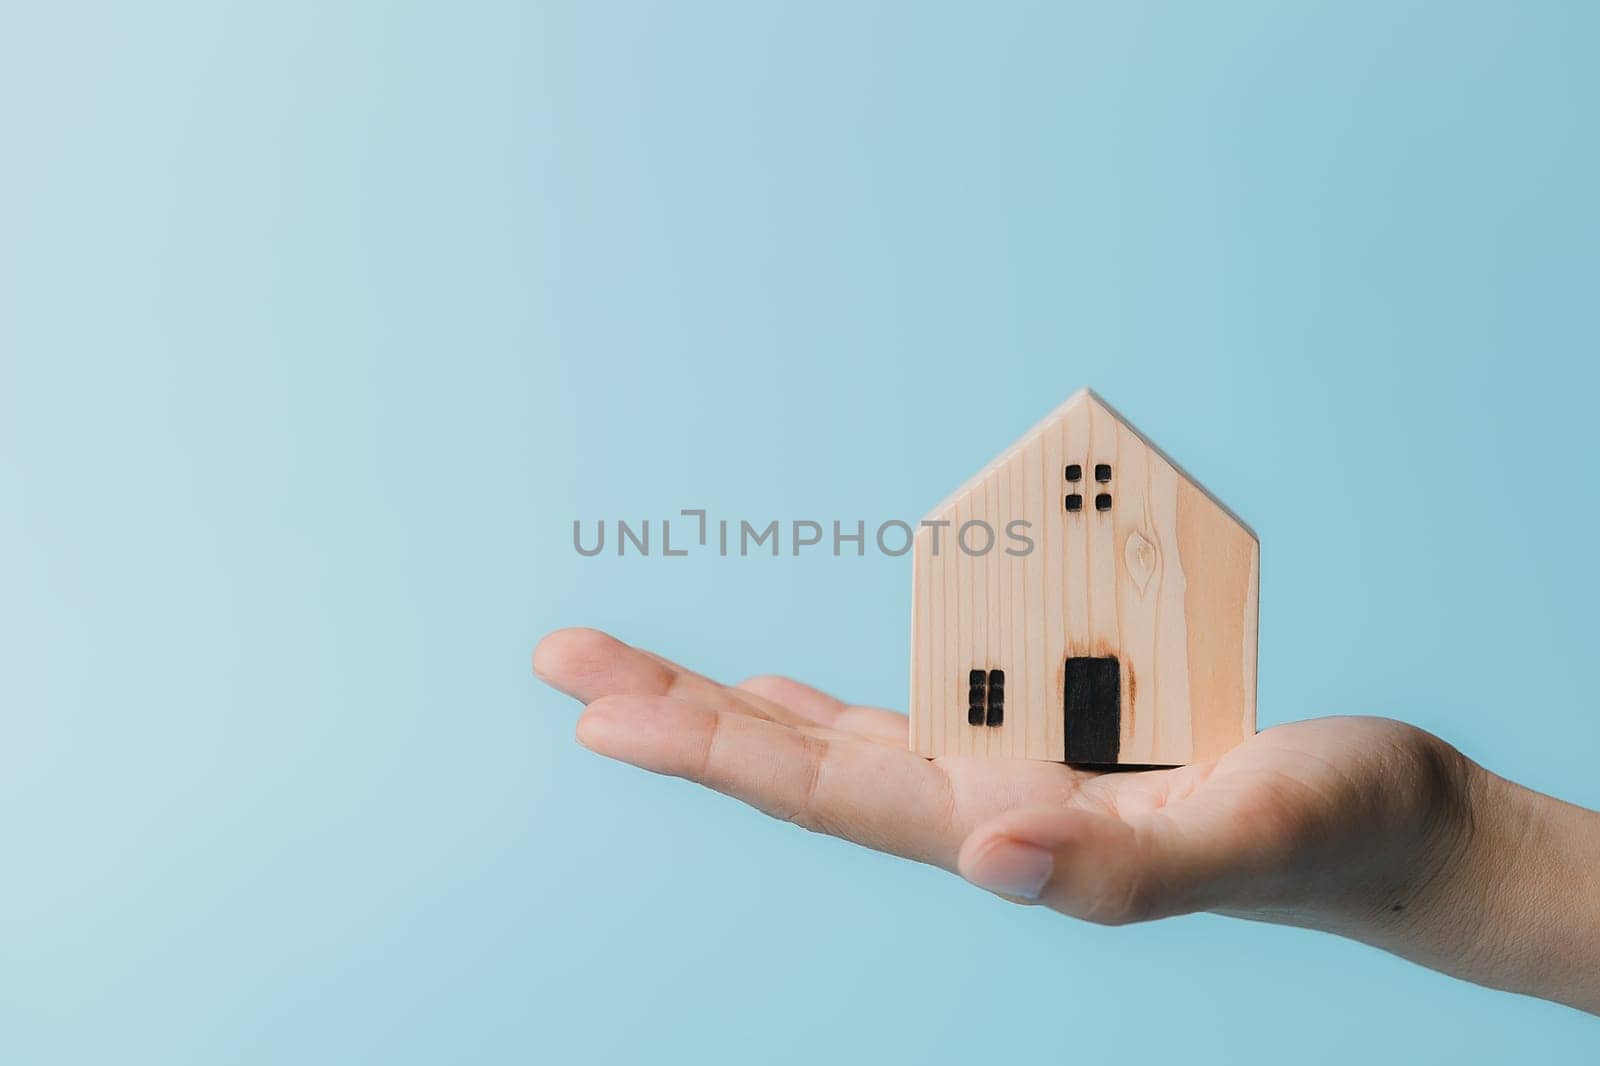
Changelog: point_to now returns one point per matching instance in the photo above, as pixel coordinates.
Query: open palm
(1344, 817)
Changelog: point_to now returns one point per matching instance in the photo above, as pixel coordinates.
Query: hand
(1361, 826)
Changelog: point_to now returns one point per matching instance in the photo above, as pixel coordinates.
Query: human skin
(1364, 827)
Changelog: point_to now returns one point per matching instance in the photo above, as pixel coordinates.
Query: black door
(1094, 710)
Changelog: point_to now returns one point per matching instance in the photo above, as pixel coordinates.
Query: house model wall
(1112, 619)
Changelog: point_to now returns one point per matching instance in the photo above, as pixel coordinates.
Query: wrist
(1535, 863)
(1509, 896)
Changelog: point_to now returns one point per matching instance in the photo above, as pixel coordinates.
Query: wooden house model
(1082, 599)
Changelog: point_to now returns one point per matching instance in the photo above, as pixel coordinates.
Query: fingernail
(1013, 869)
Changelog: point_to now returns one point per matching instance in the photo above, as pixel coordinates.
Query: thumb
(1097, 867)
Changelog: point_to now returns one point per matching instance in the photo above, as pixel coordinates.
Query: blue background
(320, 324)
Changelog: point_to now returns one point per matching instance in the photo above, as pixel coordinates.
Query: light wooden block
(1164, 580)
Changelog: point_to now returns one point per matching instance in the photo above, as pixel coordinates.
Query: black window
(1074, 472)
(1102, 502)
(986, 697)
(1102, 471)
(1074, 502)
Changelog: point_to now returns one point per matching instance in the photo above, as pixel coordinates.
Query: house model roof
(1083, 398)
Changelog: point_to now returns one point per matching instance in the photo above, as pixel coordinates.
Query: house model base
(1083, 600)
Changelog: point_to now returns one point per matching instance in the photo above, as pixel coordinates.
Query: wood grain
(1166, 581)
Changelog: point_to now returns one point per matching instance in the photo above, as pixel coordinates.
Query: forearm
(1519, 907)
(1502, 888)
